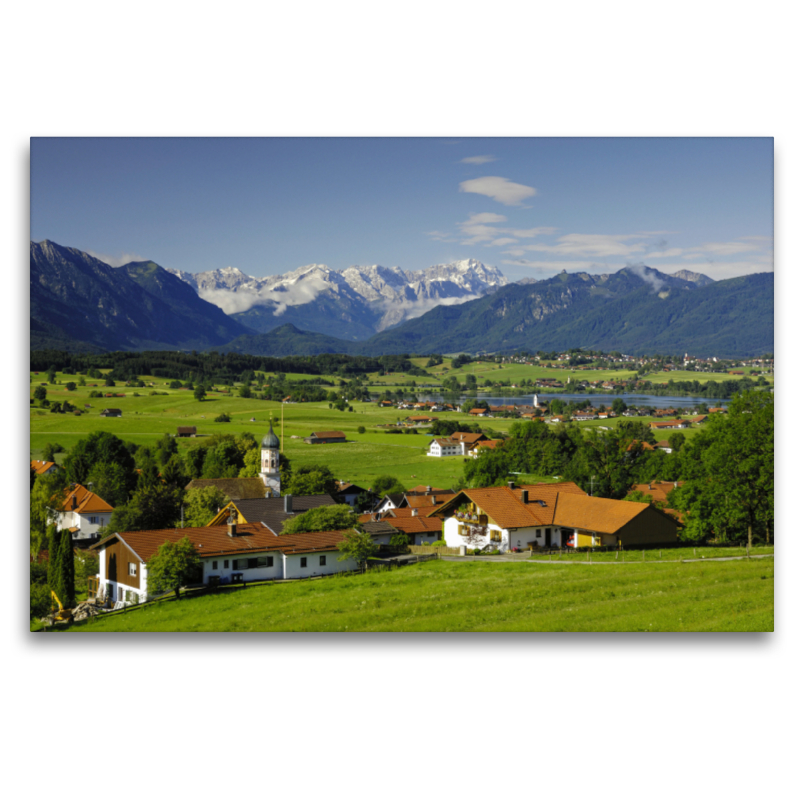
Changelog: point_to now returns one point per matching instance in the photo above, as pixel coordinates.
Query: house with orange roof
(83, 513)
(43, 467)
(549, 515)
(232, 553)
(482, 447)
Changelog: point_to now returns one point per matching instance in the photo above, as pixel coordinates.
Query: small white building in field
(440, 448)
(228, 554)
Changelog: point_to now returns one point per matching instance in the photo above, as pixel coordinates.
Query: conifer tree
(65, 576)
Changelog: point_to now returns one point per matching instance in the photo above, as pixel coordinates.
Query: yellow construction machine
(63, 614)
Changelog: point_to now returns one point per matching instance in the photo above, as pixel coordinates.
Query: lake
(594, 399)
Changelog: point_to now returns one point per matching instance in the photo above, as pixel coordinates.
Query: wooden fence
(423, 549)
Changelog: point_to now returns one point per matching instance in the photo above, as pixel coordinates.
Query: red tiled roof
(40, 467)
(658, 490)
(214, 541)
(415, 524)
(86, 502)
(595, 513)
(427, 500)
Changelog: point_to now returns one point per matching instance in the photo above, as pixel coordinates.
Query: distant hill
(81, 303)
(635, 310)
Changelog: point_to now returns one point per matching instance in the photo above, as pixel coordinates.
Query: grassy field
(481, 596)
(365, 456)
(657, 556)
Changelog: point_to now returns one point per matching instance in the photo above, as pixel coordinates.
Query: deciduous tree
(172, 566)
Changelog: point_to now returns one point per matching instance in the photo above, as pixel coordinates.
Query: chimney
(676, 484)
(433, 499)
(649, 486)
(74, 502)
(287, 504)
(511, 484)
(428, 488)
(414, 512)
(524, 495)
(232, 518)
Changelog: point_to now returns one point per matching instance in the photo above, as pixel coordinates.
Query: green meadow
(365, 456)
(482, 596)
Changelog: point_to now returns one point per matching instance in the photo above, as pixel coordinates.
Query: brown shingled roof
(415, 524)
(40, 467)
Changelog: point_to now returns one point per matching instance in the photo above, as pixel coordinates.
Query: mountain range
(81, 303)
(352, 303)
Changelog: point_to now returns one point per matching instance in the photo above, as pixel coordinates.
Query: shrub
(362, 429)
(222, 418)
(438, 543)
(40, 600)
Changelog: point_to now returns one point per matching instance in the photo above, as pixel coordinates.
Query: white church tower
(270, 463)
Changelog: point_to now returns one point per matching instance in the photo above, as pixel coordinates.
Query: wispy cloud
(480, 228)
(478, 160)
(500, 189)
(591, 244)
(648, 277)
(116, 261)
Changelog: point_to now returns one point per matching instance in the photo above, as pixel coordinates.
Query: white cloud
(478, 160)
(501, 241)
(672, 252)
(529, 233)
(723, 248)
(439, 236)
(116, 261)
(303, 290)
(647, 277)
(590, 244)
(485, 217)
(500, 189)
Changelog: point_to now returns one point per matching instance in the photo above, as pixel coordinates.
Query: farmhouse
(658, 490)
(482, 447)
(544, 515)
(421, 420)
(419, 529)
(349, 492)
(673, 423)
(43, 467)
(82, 512)
(231, 554)
(111, 412)
(440, 448)
(325, 437)
(187, 430)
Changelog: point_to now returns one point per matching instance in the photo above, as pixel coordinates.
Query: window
(214, 564)
(93, 520)
(303, 562)
(495, 536)
(132, 569)
(225, 564)
(240, 563)
(323, 561)
(538, 534)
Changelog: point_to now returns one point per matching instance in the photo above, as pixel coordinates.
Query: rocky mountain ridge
(351, 303)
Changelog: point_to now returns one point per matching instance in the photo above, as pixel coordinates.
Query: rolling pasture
(147, 418)
(483, 596)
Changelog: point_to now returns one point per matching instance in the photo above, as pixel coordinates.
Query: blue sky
(528, 206)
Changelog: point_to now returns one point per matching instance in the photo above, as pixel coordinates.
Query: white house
(440, 448)
(82, 512)
(228, 554)
(545, 515)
